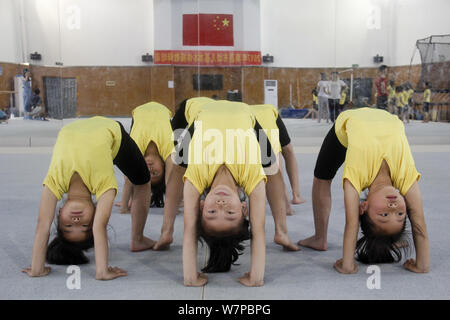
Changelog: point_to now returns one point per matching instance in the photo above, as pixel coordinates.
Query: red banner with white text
(208, 58)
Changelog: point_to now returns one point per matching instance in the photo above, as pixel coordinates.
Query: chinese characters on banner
(208, 58)
(208, 30)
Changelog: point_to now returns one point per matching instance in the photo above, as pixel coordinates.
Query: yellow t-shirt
(391, 92)
(315, 99)
(400, 99)
(343, 97)
(408, 94)
(427, 95)
(266, 115)
(151, 122)
(87, 147)
(193, 106)
(371, 136)
(224, 134)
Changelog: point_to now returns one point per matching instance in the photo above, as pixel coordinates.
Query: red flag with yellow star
(208, 29)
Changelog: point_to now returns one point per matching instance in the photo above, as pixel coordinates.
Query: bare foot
(283, 240)
(164, 242)
(297, 199)
(141, 245)
(313, 243)
(289, 210)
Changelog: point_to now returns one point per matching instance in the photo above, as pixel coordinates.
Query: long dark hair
(158, 191)
(374, 247)
(224, 250)
(63, 252)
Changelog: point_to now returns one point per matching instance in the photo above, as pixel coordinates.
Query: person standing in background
(324, 90)
(26, 91)
(400, 102)
(426, 102)
(343, 101)
(313, 110)
(381, 88)
(391, 96)
(409, 99)
(335, 88)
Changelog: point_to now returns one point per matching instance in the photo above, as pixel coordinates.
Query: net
(435, 56)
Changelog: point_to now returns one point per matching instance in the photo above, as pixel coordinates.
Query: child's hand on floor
(111, 273)
(248, 282)
(411, 265)
(43, 273)
(201, 280)
(339, 266)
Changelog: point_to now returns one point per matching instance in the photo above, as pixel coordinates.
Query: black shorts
(130, 160)
(426, 107)
(284, 135)
(382, 102)
(331, 157)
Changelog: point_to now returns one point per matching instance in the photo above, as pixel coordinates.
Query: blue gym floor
(25, 152)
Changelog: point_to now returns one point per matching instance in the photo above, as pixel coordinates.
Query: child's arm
(420, 236)
(174, 193)
(291, 168)
(255, 277)
(42, 234)
(192, 278)
(351, 199)
(102, 214)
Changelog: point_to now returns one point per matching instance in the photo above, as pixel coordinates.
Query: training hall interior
(75, 59)
(107, 57)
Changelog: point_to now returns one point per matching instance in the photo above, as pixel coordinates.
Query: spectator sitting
(3, 116)
(34, 108)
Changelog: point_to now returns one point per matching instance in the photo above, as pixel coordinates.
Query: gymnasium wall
(89, 33)
(9, 40)
(339, 33)
(168, 20)
(127, 87)
(417, 19)
(299, 33)
(9, 70)
(137, 85)
(103, 40)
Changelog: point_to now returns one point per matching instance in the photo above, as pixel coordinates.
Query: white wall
(90, 32)
(339, 33)
(324, 33)
(299, 33)
(10, 46)
(169, 22)
(418, 19)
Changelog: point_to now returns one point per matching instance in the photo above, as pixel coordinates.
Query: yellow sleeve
(54, 187)
(257, 174)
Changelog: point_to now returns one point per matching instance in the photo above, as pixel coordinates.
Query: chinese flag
(208, 29)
